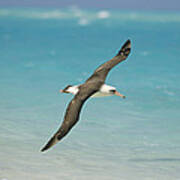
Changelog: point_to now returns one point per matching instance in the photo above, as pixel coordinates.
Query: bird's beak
(118, 94)
(61, 91)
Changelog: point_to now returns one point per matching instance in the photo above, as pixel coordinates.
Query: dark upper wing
(102, 71)
(71, 116)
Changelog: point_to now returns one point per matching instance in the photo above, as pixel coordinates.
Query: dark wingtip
(44, 149)
(126, 48)
(50, 143)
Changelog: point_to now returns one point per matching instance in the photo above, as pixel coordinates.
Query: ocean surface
(43, 50)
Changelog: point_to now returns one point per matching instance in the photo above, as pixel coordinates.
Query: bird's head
(115, 92)
(70, 89)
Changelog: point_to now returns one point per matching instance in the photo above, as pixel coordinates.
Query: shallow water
(42, 51)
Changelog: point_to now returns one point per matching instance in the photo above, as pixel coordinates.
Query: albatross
(94, 86)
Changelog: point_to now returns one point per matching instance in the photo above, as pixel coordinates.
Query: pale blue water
(42, 51)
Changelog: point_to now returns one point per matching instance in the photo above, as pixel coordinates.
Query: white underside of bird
(105, 90)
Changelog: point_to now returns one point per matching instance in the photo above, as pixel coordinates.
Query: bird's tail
(125, 50)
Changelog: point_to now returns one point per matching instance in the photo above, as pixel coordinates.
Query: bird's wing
(71, 116)
(102, 71)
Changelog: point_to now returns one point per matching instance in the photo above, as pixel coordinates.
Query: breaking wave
(84, 16)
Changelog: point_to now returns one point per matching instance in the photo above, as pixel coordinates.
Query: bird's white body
(105, 90)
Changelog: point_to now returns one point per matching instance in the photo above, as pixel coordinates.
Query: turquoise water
(42, 51)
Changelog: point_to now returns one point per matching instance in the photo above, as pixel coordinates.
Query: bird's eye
(112, 91)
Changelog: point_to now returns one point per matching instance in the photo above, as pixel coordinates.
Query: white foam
(103, 15)
(85, 16)
(83, 22)
(34, 14)
(47, 15)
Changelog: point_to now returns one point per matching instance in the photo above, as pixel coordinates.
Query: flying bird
(94, 86)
